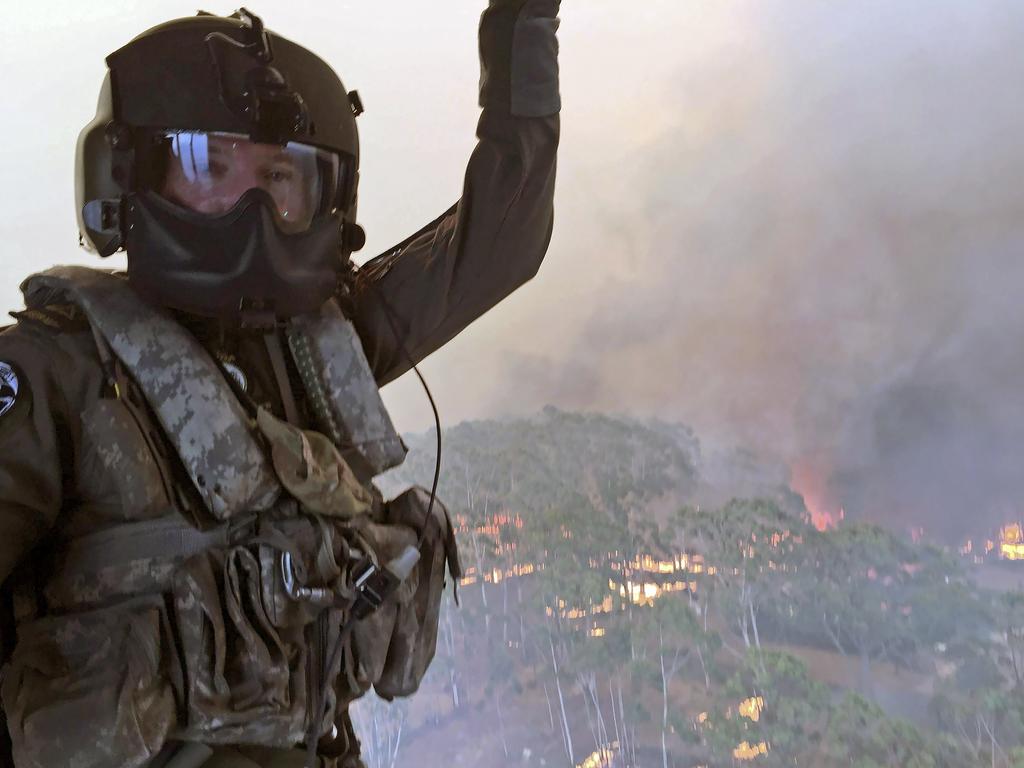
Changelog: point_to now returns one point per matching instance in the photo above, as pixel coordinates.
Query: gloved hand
(519, 57)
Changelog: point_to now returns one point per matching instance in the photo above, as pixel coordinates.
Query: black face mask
(239, 267)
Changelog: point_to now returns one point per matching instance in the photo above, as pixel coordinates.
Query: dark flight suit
(435, 283)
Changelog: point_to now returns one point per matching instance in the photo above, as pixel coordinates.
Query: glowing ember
(600, 758)
(752, 708)
(647, 592)
(747, 751)
(1011, 542)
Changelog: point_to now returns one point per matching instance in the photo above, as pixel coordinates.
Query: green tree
(1008, 617)
(862, 586)
(751, 545)
(673, 634)
(502, 681)
(986, 724)
(770, 700)
(861, 734)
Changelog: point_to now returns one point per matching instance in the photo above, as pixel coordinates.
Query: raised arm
(493, 240)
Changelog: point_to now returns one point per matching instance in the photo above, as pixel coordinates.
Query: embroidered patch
(9, 386)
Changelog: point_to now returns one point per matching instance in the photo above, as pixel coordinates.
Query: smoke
(818, 255)
(795, 226)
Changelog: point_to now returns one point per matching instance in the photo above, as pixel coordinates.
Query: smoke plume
(816, 251)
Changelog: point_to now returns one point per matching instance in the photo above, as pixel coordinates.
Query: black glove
(519, 57)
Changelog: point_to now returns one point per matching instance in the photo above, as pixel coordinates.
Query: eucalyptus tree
(771, 709)
(674, 637)
(878, 595)
(860, 733)
(752, 546)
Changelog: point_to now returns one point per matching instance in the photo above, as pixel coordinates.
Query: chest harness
(276, 588)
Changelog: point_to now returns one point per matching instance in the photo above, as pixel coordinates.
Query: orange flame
(1011, 542)
(809, 479)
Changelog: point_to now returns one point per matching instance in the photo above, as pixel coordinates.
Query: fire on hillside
(1007, 545)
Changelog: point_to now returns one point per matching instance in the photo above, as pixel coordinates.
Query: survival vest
(213, 624)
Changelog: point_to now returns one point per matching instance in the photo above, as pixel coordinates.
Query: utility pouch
(309, 465)
(94, 689)
(293, 544)
(414, 633)
(246, 680)
(366, 650)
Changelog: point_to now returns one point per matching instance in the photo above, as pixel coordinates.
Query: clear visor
(208, 172)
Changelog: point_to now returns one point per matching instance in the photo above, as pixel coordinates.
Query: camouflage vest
(211, 625)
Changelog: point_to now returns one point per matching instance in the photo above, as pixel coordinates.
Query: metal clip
(297, 592)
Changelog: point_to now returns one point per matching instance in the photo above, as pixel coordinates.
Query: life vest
(212, 624)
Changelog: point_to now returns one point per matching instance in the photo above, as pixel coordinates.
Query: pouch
(366, 652)
(414, 633)
(245, 679)
(309, 465)
(92, 689)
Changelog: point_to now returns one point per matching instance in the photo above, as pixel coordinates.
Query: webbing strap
(210, 430)
(166, 538)
(284, 386)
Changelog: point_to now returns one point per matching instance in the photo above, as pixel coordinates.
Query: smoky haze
(819, 254)
(795, 226)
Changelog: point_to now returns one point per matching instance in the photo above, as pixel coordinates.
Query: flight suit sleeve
(414, 298)
(33, 449)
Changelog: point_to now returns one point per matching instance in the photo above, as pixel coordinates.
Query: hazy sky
(792, 224)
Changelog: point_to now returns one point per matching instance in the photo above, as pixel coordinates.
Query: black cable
(391, 316)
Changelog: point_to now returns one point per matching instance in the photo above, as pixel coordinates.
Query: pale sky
(793, 224)
(415, 66)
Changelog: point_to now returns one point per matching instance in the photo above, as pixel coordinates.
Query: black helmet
(224, 158)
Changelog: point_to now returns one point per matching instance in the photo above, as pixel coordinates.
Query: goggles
(208, 172)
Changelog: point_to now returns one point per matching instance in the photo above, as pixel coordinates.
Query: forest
(616, 613)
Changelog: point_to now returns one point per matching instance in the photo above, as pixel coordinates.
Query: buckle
(373, 585)
(242, 530)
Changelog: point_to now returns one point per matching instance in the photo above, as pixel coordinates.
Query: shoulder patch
(15, 396)
(9, 386)
(63, 318)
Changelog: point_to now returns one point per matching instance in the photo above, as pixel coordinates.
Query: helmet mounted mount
(252, 88)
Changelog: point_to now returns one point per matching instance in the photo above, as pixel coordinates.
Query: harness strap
(166, 538)
(172, 539)
(126, 392)
(284, 385)
(209, 429)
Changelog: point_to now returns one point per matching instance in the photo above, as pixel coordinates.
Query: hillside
(608, 619)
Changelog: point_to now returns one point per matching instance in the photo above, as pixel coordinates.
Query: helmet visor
(208, 172)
